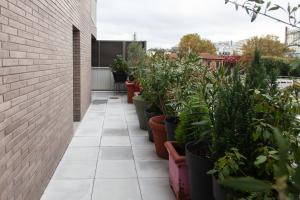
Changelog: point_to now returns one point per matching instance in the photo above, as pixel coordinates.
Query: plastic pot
(140, 106)
(148, 114)
(171, 125)
(158, 128)
(178, 172)
(120, 76)
(199, 164)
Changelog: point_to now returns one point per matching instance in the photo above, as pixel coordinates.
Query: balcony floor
(110, 158)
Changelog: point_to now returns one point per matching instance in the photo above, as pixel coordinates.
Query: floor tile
(81, 153)
(115, 132)
(68, 190)
(145, 154)
(156, 188)
(149, 169)
(116, 189)
(116, 169)
(140, 141)
(87, 133)
(115, 141)
(85, 142)
(75, 170)
(116, 153)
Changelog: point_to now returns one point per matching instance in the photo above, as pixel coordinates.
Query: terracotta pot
(159, 135)
(130, 91)
(178, 172)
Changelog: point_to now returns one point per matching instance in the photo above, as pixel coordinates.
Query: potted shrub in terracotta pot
(136, 61)
(157, 83)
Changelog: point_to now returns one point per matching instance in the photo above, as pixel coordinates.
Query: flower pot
(148, 114)
(171, 124)
(158, 128)
(178, 172)
(130, 91)
(120, 76)
(218, 191)
(199, 164)
(140, 106)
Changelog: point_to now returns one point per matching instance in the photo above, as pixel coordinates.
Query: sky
(163, 22)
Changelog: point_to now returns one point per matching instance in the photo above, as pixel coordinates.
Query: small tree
(268, 46)
(136, 58)
(193, 44)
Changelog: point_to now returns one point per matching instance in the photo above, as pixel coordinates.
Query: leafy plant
(136, 59)
(119, 65)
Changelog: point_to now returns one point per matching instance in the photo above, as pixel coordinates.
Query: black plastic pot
(120, 76)
(140, 106)
(199, 163)
(148, 114)
(218, 191)
(171, 124)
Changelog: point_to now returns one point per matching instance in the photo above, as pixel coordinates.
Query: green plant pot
(140, 106)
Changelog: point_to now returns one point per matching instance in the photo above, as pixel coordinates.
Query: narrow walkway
(110, 158)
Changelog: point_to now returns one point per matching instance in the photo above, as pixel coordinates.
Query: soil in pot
(150, 112)
(199, 163)
(140, 106)
(171, 124)
(178, 171)
(158, 128)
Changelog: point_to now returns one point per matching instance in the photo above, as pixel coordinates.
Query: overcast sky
(162, 22)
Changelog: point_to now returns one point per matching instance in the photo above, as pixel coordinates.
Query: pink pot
(178, 172)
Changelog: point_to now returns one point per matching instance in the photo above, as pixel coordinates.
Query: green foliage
(136, 59)
(119, 65)
(195, 124)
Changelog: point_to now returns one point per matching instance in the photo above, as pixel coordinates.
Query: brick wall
(36, 89)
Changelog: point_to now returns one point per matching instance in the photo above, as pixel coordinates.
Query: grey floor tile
(115, 132)
(115, 141)
(85, 142)
(116, 153)
(68, 190)
(156, 189)
(136, 131)
(116, 189)
(75, 170)
(81, 153)
(81, 132)
(145, 154)
(140, 141)
(149, 169)
(116, 169)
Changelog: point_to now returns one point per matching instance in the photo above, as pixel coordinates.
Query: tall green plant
(136, 59)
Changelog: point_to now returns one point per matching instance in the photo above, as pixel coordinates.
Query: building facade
(45, 72)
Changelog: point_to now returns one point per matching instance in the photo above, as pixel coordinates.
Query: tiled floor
(110, 158)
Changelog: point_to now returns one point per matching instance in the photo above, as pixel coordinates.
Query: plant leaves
(260, 159)
(248, 184)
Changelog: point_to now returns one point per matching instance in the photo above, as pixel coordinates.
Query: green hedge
(284, 66)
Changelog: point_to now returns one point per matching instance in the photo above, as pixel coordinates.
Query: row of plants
(228, 134)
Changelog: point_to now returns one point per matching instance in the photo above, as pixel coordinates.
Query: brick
(10, 62)
(16, 24)
(16, 39)
(16, 9)
(9, 30)
(4, 53)
(17, 54)
(10, 95)
(11, 78)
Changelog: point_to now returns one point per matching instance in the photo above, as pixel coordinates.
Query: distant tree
(268, 46)
(136, 54)
(193, 44)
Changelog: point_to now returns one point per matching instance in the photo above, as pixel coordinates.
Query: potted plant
(188, 72)
(194, 110)
(140, 105)
(119, 69)
(255, 126)
(160, 78)
(136, 61)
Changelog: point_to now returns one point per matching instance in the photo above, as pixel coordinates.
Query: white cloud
(163, 22)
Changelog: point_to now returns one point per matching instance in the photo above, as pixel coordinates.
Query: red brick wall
(36, 89)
